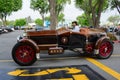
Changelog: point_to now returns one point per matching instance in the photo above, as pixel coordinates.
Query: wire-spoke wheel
(105, 49)
(24, 54)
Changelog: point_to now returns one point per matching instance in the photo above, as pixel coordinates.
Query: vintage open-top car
(86, 41)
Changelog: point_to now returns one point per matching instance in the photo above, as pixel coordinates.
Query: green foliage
(92, 9)
(47, 18)
(7, 22)
(7, 7)
(20, 22)
(60, 4)
(40, 5)
(0, 23)
(82, 20)
(17, 5)
(11, 23)
(39, 22)
(114, 19)
(61, 17)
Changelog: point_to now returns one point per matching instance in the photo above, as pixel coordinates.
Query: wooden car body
(85, 41)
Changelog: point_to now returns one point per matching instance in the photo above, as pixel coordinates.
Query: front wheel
(24, 54)
(105, 49)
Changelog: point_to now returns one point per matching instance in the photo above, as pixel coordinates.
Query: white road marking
(60, 58)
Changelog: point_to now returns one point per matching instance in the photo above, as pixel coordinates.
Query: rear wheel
(105, 49)
(24, 54)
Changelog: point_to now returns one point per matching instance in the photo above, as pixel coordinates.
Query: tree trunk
(53, 15)
(5, 21)
(99, 13)
(2, 19)
(94, 18)
(96, 15)
(43, 18)
(93, 13)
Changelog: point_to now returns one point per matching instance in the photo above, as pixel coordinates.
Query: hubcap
(105, 49)
(25, 54)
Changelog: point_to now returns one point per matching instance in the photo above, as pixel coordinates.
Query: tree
(40, 5)
(114, 19)
(56, 6)
(0, 23)
(60, 4)
(11, 23)
(82, 20)
(29, 19)
(7, 7)
(92, 9)
(53, 15)
(47, 18)
(115, 4)
(61, 18)
(39, 22)
(20, 22)
(17, 5)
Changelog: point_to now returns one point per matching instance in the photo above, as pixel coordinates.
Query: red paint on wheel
(105, 49)
(25, 54)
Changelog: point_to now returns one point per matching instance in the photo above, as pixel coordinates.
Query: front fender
(31, 42)
(99, 41)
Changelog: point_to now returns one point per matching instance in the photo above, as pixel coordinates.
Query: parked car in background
(16, 27)
(23, 27)
(10, 28)
(0, 31)
(6, 29)
(39, 28)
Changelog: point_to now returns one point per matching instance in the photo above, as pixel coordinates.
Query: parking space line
(59, 58)
(105, 68)
(46, 59)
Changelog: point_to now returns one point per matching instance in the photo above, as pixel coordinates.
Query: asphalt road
(108, 68)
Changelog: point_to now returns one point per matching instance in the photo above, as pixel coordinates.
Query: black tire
(24, 54)
(105, 49)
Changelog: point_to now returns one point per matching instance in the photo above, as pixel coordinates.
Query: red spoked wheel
(105, 49)
(24, 54)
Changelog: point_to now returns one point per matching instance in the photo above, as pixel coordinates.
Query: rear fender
(97, 45)
(31, 42)
(99, 41)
